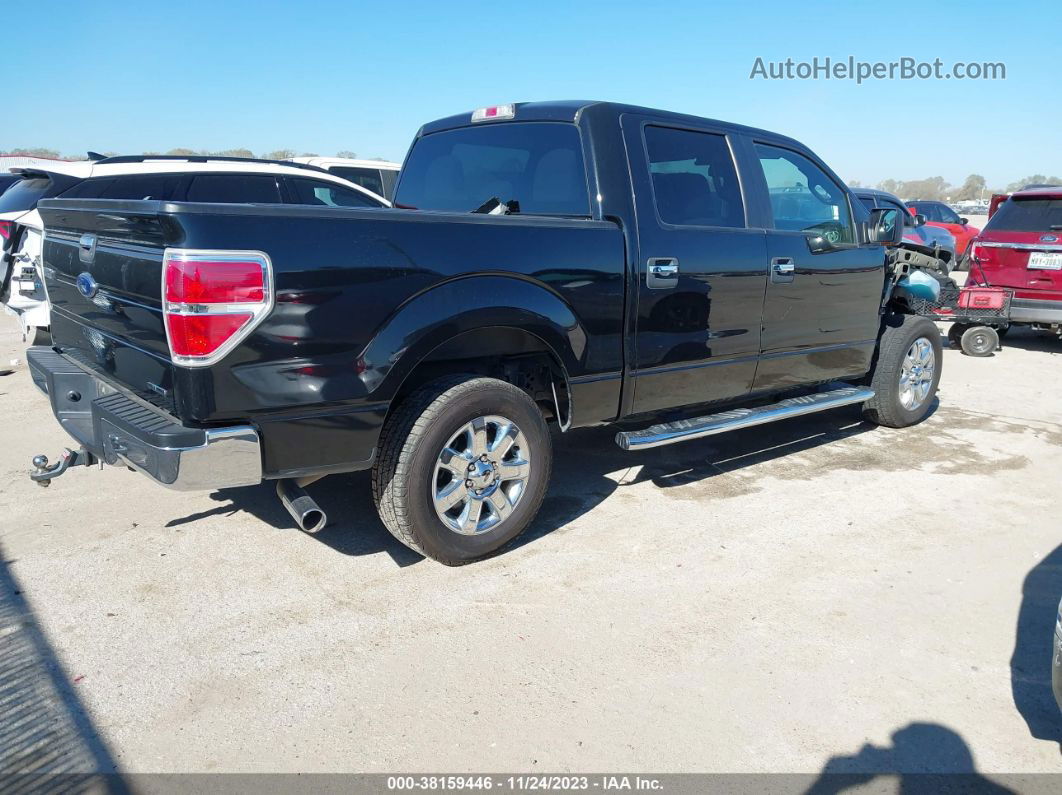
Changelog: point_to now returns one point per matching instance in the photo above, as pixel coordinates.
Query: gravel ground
(816, 594)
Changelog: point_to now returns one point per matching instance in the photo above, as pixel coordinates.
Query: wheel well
(512, 355)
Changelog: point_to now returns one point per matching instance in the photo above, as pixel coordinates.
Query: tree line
(276, 154)
(937, 188)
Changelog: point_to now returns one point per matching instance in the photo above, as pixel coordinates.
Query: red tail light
(212, 300)
(5, 229)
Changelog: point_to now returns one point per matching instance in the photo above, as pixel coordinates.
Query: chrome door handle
(782, 270)
(661, 273)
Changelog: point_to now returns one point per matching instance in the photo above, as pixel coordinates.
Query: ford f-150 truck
(565, 263)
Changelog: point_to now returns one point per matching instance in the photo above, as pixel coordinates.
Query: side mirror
(885, 227)
(920, 220)
(964, 221)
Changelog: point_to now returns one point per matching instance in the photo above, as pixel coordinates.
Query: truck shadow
(48, 742)
(588, 468)
(1030, 664)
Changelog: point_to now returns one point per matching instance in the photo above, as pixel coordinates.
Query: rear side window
(149, 186)
(1028, 215)
(23, 195)
(368, 178)
(326, 194)
(234, 189)
(694, 178)
(539, 165)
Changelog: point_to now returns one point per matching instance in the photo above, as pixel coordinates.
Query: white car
(379, 176)
(192, 179)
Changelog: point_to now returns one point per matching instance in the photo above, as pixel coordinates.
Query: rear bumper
(119, 429)
(1027, 310)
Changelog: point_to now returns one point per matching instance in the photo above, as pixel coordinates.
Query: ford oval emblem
(86, 285)
(1048, 238)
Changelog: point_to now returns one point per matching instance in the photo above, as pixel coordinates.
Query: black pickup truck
(573, 263)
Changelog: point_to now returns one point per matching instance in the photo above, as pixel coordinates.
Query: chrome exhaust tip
(302, 507)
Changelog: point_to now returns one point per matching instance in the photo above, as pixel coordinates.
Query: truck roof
(568, 110)
(1039, 193)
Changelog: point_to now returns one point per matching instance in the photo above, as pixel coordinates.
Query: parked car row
(155, 178)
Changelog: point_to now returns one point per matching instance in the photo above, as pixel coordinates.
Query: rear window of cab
(1028, 215)
(538, 165)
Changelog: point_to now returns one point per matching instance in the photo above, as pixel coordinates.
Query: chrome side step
(684, 430)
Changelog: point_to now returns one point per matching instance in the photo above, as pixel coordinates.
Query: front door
(820, 312)
(701, 270)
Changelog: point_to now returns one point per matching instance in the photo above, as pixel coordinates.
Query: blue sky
(362, 76)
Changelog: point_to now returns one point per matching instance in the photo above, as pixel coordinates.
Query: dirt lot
(770, 600)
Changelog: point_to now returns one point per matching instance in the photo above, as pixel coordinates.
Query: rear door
(701, 269)
(820, 311)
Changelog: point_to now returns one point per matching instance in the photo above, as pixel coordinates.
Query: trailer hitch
(43, 474)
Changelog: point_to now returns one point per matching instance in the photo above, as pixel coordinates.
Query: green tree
(347, 153)
(234, 153)
(279, 154)
(972, 189)
(1035, 179)
(36, 151)
(182, 152)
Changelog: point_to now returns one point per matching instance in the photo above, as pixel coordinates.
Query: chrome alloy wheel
(480, 475)
(916, 374)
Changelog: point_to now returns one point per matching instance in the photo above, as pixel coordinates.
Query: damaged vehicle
(555, 265)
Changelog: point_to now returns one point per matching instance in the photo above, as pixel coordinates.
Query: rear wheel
(906, 373)
(979, 341)
(462, 468)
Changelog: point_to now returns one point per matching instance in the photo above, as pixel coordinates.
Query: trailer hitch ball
(40, 466)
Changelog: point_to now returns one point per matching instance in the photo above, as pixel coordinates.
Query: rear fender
(474, 304)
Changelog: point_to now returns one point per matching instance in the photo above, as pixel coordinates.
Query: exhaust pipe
(302, 507)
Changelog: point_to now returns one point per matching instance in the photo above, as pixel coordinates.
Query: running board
(684, 430)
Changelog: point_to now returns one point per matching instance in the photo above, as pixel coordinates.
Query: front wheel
(907, 372)
(462, 468)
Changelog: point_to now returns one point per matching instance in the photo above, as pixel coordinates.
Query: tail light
(211, 301)
(5, 229)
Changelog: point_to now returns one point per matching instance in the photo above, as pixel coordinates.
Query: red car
(1021, 248)
(940, 214)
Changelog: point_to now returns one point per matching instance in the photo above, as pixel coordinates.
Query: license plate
(1039, 260)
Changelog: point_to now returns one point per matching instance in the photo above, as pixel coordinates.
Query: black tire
(955, 334)
(407, 455)
(41, 336)
(886, 407)
(979, 341)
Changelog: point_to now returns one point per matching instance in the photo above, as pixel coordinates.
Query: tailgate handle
(86, 247)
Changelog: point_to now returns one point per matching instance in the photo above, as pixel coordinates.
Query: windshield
(1028, 215)
(534, 167)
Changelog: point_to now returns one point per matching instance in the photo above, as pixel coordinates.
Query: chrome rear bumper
(119, 429)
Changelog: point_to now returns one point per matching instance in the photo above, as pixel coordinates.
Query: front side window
(327, 194)
(930, 211)
(368, 178)
(694, 179)
(234, 189)
(1028, 215)
(948, 215)
(535, 167)
(803, 197)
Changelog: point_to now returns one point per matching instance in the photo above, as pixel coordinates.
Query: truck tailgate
(103, 273)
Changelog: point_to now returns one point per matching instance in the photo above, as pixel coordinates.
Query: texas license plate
(1039, 260)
